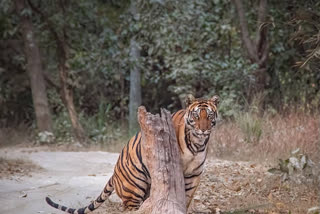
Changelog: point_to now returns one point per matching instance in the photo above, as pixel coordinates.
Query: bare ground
(76, 178)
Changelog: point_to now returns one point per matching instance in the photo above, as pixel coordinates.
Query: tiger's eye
(195, 115)
(211, 115)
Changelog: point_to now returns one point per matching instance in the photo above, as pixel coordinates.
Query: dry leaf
(270, 197)
(23, 195)
(280, 205)
(213, 187)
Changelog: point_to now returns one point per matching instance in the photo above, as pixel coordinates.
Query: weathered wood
(160, 147)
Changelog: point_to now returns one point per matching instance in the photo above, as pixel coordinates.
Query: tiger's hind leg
(131, 197)
(132, 205)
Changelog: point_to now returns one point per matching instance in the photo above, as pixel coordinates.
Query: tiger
(131, 179)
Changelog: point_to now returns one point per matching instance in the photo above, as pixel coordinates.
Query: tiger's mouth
(201, 135)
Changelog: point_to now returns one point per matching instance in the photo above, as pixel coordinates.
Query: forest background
(76, 71)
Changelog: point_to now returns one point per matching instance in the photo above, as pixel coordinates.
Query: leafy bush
(45, 137)
(62, 127)
(251, 126)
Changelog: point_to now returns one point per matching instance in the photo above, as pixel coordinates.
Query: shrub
(251, 126)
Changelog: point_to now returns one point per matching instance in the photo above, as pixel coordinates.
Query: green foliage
(15, 94)
(293, 85)
(185, 47)
(100, 127)
(62, 127)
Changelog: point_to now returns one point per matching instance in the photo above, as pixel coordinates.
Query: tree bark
(257, 49)
(122, 103)
(135, 76)
(160, 146)
(67, 97)
(34, 70)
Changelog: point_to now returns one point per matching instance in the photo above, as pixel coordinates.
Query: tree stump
(160, 146)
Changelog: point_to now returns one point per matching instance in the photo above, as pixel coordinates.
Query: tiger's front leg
(191, 185)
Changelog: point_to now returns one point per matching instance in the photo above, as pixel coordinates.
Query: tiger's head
(201, 115)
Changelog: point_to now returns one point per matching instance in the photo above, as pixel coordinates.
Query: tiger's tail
(108, 189)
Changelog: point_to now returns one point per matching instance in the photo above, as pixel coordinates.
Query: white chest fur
(192, 163)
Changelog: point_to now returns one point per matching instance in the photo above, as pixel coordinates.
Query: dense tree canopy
(184, 47)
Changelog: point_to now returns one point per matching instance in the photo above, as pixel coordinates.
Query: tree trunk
(122, 103)
(34, 70)
(159, 144)
(66, 89)
(67, 98)
(135, 85)
(135, 89)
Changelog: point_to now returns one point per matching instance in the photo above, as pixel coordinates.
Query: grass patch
(274, 136)
(101, 130)
(20, 134)
(251, 127)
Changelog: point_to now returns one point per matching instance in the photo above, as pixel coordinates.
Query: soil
(74, 179)
(17, 167)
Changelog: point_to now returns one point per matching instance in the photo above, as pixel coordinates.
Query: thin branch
(262, 14)
(262, 33)
(264, 56)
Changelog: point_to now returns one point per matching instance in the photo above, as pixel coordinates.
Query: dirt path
(76, 178)
(73, 178)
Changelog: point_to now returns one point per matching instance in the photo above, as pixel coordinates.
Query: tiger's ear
(190, 98)
(215, 99)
